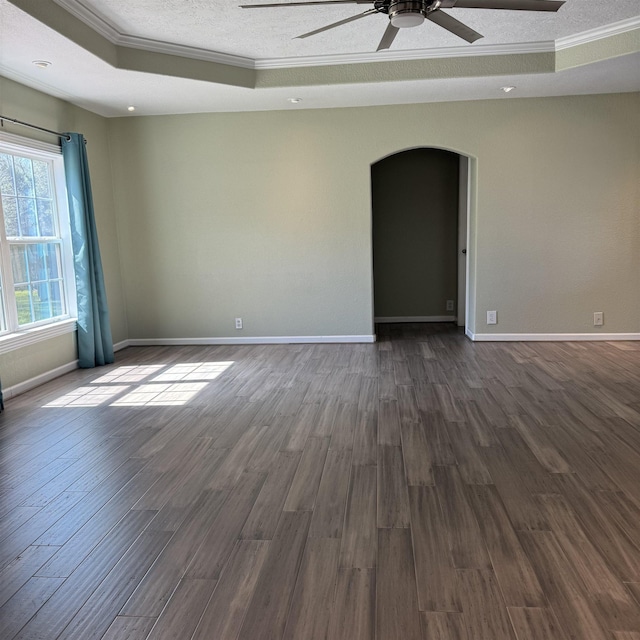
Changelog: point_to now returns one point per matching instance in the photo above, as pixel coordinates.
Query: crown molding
(184, 51)
(615, 29)
(98, 23)
(397, 56)
(103, 27)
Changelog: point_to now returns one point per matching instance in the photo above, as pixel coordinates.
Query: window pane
(55, 298)
(53, 261)
(41, 177)
(7, 186)
(45, 217)
(19, 264)
(40, 297)
(27, 217)
(38, 282)
(10, 209)
(23, 302)
(24, 176)
(36, 256)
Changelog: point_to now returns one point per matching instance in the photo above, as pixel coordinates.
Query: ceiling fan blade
(388, 37)
(454, 26)
(518, 5)
(368, 12)
(302, 4)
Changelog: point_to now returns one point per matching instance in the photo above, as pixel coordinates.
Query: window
(36, 260)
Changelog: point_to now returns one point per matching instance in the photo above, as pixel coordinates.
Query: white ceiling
(262, 38)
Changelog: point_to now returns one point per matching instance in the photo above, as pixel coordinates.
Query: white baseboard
(552, 337)
(32, 383)
(161, 342)
(119, 346)
(398, 319)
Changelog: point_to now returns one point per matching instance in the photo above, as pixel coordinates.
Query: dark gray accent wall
(415, 227)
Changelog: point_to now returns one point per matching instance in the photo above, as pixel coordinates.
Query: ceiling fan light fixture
(408, 13)
(405, 20)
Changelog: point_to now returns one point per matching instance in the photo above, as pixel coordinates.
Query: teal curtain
(95, 345)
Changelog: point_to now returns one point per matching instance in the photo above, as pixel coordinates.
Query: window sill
(28, 337)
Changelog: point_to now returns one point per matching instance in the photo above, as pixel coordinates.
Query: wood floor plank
(584, 557)
(267, 613)
(263, 518)
(344, 426)
(57, 612)
(328, 514)
(214, 551)
(98, 612)
(562, 586)
(310, 610)
(468, 549)
(536, 624)
(524, 512)
(389, 423)
(306, 482)
(437, 434)
(520, 586)
(485, 614)
(17, 611)
(84, 540)
(417, 454)
(541, 447)
(155, 589)
(359, 537)
(393, 500)
(18, 572)
(610, 537)
(353, 611)
(443, 626)
(470, 464)
(435, 574)
(182, 613)
(226, 610)
(128, 628)
(396, 599)
(365, 439)
(32, 529)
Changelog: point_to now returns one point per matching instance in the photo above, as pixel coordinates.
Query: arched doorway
(419, 225)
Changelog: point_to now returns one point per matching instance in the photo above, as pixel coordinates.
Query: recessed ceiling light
(42, 64)
(294, 100)
(131, 108)
(507, 89)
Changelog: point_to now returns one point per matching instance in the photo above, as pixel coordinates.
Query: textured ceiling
(107, 55)
(220, 25)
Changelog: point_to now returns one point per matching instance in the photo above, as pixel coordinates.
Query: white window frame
(15, 337)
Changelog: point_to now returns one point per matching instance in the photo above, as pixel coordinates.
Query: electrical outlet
(449, 305)
(492, 317)
(598, 319)
(238, 323)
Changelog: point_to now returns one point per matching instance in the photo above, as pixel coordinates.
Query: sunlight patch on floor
(146, 385)
(87, 396)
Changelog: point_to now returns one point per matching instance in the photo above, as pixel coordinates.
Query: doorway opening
(420, 213)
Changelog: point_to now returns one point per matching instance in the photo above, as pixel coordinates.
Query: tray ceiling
(181, 56)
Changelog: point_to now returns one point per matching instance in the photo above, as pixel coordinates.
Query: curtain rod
(34, 126)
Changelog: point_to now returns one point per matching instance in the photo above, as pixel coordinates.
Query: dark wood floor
(424, 487)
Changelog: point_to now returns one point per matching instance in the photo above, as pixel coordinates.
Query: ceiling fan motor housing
(411, 13)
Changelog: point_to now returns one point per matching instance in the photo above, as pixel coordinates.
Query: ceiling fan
(411, 13)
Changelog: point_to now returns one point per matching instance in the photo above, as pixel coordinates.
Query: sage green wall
(18, 101)
(415, 233)
(267, 215)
